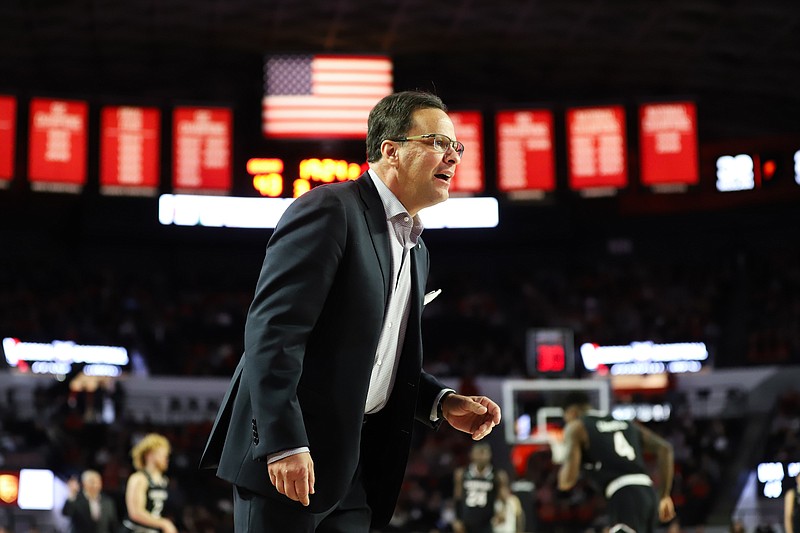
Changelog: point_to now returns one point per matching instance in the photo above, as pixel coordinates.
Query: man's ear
(390, 151)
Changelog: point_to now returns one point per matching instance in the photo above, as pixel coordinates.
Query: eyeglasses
(441, 143)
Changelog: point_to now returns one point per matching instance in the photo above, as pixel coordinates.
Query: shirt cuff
(271, 458)
(435, 410)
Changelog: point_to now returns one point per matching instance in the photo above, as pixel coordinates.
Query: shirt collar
(393, 207)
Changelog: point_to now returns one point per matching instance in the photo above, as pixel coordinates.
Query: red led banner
(57, 148)
(668, 143)
(201, 158)
(596, 147)
(469, 173)
(525, 160)
(129, 149)
(8, 121)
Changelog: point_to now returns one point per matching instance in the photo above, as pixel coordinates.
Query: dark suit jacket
(310, 342)
(81, 517)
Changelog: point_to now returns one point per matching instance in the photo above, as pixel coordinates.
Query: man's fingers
(477, 407)
(280, 486)
(294, 483)
(301, 491)
(482, 431)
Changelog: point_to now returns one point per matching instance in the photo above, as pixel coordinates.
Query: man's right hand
(293, 477)
(666, 509)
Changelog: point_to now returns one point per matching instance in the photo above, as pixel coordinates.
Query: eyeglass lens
(442, 143)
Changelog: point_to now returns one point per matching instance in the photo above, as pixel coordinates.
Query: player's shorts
(633, 508)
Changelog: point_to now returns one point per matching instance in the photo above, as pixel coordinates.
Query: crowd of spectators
(189, 319)
(67, 436)
(783, 442)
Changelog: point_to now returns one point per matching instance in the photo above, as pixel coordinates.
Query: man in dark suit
(89, 510)
(315, 428)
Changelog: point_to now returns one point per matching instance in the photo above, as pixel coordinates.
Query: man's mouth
(445, 177)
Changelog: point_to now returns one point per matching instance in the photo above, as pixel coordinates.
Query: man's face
(160, 457)
(571, 413)
(92, 485)
(481, 456)
(423, 172)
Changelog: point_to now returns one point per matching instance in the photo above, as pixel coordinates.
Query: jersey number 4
(623, 447)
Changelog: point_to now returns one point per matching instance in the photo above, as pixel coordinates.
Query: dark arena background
(644, 158)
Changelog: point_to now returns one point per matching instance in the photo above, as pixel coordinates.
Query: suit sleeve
(69, 508)
(299, 267)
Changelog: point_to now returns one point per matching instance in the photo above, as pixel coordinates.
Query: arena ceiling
(739, 59)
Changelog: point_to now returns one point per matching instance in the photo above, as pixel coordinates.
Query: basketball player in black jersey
(146, 491)
(610, 452)
(791, 508)
(476, 488)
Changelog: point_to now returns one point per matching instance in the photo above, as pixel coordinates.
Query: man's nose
(451, 156)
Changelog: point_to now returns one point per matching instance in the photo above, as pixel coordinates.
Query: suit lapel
(418, 278)
(375, 215)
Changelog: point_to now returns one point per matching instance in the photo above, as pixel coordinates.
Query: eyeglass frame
(451, 143)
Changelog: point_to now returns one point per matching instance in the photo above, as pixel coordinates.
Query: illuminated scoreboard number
(549, 351)
(270, 179)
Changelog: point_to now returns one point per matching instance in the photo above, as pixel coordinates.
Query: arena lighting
(649, 355)
(36, 489)
(9, 488)
(797, 167)
(658, 412)
(62, 352)
(239, 212)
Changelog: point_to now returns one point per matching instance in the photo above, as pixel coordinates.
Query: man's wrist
(440, 407)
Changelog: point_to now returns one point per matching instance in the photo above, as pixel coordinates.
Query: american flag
(318, 96)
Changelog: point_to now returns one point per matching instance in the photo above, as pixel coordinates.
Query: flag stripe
(351, 77)
(346, 90)
(316, 127)
(277, 114)
(321, 102)
(351, 64)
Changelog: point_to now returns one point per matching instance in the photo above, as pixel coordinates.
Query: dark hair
(575, 398)
(391, 117)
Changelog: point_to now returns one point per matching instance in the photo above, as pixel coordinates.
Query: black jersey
(615, 449)
(154, 504)
(479, 490)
